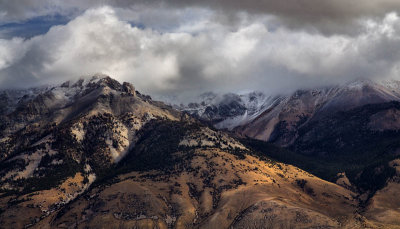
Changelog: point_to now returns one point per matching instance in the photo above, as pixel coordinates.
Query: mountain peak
(95, 82)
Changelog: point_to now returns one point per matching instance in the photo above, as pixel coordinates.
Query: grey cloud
(326, 16)
(17, 10)
(214, 58)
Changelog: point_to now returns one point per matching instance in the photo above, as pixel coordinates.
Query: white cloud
(190, 59)
(11, 51)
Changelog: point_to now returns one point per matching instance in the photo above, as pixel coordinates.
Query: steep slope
(278, 118)
(10, 99)
(354, 148)
(65, 136)
(359, 142)
(384, 207)
(346, 134)
(200, 178)
(74, 105)
(228, 111)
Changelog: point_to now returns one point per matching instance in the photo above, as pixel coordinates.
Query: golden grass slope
(215, 191)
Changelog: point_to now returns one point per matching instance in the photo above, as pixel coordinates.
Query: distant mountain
(278, 118)
(228, 111)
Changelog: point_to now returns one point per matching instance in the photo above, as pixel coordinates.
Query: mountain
(347, 134)
(96, 153)
(277, 118)
(199, 178)
(352, 129)
(281, 122)
(69, 132)
(230, 110)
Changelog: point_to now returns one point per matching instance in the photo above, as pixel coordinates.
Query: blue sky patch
(32, 27)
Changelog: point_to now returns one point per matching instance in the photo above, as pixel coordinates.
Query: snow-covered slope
(9, 99)
(88, 122)
(265, 117)
(227, 111)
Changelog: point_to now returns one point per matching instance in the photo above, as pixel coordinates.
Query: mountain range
(96, 153)
(260, 116)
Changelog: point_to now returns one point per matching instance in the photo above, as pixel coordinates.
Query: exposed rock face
(129, 88)
(81, 127)
(82, 111)
(229, 110)
(278, 118)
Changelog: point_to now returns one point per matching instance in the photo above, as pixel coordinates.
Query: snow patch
(78, 131)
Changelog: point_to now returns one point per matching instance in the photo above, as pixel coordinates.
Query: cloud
(200, 55)
(328, 17)
(325, 16)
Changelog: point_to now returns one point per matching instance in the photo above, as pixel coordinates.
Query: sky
(185, 47)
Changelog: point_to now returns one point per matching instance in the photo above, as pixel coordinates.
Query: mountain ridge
(235, 112)
(96, 153)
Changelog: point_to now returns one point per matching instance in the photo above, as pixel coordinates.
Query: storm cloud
(186, 47)
(326, 16)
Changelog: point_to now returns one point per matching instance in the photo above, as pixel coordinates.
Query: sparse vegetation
(303, 185)
(177, 171)
(327, 167)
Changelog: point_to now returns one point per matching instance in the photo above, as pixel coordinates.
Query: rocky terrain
(98, 154)
(351, 128)
(277, 118)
